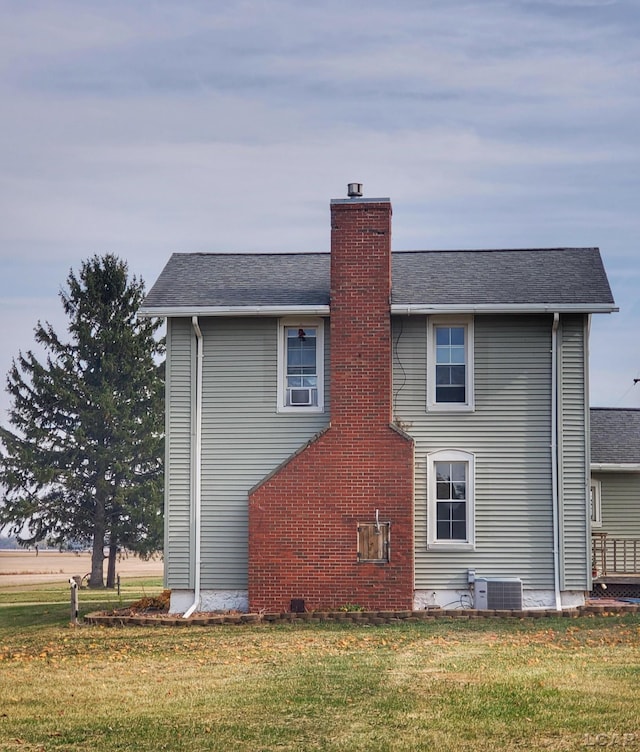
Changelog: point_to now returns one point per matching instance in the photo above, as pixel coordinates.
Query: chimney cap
(354, 190)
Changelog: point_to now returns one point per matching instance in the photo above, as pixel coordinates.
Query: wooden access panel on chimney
(373, 541)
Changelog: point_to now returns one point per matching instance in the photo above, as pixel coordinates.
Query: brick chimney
(321, 525)
(360, 313)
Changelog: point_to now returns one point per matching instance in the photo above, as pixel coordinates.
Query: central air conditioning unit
(503, 594)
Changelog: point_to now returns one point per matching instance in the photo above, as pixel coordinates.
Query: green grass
(37, 605)
(552, 684)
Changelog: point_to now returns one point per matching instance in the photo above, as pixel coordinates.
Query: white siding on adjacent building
(620, 495)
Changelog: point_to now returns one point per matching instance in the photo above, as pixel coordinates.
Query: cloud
(148, 127)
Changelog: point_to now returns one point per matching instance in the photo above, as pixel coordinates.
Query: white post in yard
(74, 600)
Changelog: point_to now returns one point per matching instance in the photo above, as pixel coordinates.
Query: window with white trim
(450, 363)
(595, 502)
(301, 365)
(450, 510)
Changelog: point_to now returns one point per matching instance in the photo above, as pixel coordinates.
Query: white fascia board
(616, 467)
(181, 311)
(416, 308)
(404, 308)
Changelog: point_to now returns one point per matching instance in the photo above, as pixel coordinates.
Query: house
(615, 499)
(379, 428)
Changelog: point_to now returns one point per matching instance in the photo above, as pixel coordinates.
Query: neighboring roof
(555, 278)
(615, 436)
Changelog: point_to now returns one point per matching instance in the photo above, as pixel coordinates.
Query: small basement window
(374, 541)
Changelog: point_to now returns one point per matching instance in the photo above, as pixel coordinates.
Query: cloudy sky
(143, 128)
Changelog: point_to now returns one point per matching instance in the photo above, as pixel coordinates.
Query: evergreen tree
(84, 460)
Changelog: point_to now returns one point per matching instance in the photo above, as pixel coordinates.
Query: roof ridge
(250, 253)
(617, 409)
(395, 251)
(500, 250)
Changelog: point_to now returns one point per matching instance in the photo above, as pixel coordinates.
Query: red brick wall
(360, 314)
(303, 518)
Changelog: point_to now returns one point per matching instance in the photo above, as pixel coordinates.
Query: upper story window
(301, 365)
(450, 363)
(450, 511)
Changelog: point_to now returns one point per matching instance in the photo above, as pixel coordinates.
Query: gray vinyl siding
(179, 390)
(243, 439)
(620, 500)
(509, 434)
(573, 445)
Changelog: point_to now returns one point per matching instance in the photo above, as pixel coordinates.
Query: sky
(145, 128)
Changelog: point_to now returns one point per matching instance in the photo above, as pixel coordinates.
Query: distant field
(24, 567)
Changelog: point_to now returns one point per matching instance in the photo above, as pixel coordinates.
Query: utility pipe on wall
(197, 466)
(554, 462)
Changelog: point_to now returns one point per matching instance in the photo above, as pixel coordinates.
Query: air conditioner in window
(302, 396)
(498, 594)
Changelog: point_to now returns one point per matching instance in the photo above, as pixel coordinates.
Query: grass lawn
(552, 684)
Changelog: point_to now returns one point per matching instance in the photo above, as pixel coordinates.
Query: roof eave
(181, 311)
(616, 467)
(396, 308)
(420, 308)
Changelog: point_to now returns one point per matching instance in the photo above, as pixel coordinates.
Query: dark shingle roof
(615, 435)
(487, 277)
(242, 279)
(555, 275)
